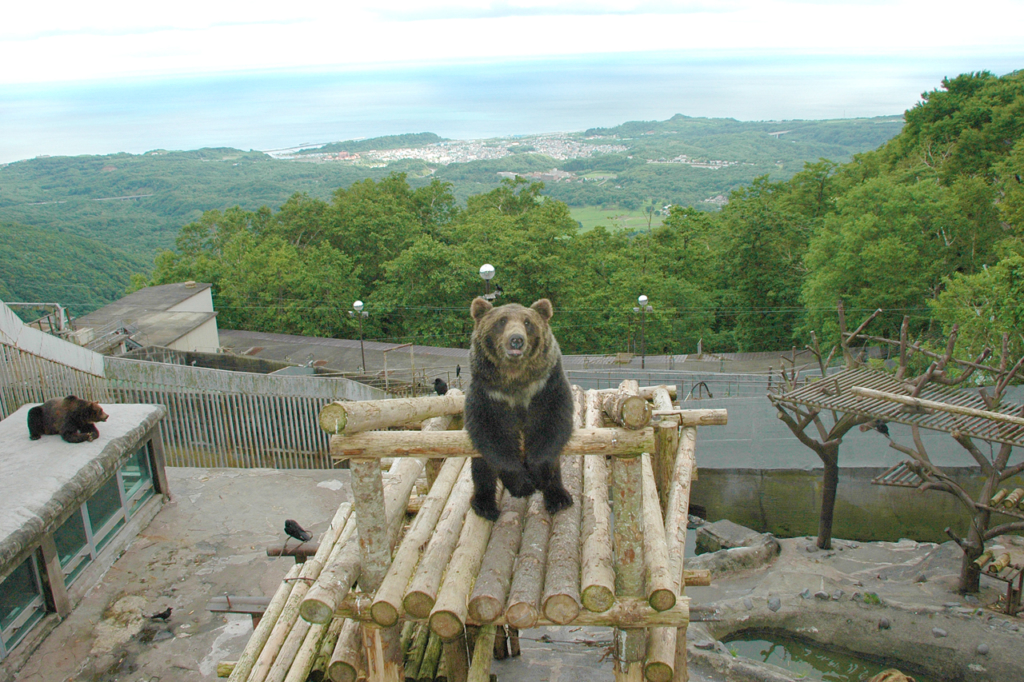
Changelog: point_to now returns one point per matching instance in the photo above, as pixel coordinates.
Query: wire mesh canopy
(878, 395)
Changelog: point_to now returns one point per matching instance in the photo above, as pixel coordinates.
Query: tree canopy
(928, 225)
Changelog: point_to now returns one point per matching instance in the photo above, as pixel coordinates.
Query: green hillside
(137, 204)
(38, 265)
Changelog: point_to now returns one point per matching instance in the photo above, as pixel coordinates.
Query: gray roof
(147, 310)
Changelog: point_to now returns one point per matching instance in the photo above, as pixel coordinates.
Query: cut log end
(333, 418)
(339, 671)
(384, 614)
(697, 578)
(658, 671)
(662, 600)
(315, 611)
(522, 616)
(446, 625)
(485, 609)
(418, 604)
(561, 609)
(598, 598)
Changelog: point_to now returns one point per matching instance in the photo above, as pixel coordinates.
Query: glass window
(73, 546)
(21, 602)
(137, 479)
(106, 513)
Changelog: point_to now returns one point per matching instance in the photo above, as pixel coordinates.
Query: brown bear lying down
(71, 417)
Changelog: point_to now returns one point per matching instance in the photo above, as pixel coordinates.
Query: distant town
(558, 146)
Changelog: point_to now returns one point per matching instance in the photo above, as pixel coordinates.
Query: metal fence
(216, 418)
(29, 378)
(235, 419)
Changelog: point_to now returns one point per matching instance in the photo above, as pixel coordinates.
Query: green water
(807, 661)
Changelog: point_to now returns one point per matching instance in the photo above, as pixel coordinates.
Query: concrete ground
(210, 540)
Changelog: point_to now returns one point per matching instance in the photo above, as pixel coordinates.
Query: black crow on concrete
(292, 528)
(163, 615)
(440, 386)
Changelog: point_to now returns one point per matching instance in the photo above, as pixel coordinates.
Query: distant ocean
(277, 110)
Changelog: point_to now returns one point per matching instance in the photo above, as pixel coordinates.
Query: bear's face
(94, 413)
(515, 339)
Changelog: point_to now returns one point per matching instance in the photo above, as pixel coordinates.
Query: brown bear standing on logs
(519, 406)
(71, 417)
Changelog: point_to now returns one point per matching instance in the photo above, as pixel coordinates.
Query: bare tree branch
(1004, 528)
(986, 466)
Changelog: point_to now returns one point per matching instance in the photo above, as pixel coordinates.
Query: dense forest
(927, 225)
(139, 202)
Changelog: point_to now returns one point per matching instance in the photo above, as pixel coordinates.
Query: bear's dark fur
(71, 417)
(519, 406)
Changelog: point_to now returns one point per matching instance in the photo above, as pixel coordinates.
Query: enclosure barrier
(460, 578)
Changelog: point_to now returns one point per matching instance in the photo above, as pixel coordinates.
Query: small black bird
(458, 371)
(163, 615)
(440, 386)
(880, 426)
(292, 528)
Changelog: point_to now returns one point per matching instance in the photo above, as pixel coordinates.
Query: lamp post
(643, 309)
(360, 315)
(487, 273)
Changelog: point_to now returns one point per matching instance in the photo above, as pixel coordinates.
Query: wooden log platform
(464, 578)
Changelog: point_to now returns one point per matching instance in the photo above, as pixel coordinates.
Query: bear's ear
(479, 307)
(543, 306)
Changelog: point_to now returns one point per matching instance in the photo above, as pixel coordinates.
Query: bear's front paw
(485, 508)
(556, 499)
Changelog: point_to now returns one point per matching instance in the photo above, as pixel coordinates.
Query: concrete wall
(202, 302)
(204, 338)
(755, 472)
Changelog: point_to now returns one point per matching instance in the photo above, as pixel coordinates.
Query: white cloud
(60, 41)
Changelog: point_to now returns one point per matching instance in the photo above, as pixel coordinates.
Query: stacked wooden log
(454, 572)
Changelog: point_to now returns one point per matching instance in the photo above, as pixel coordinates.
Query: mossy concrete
(786, 503)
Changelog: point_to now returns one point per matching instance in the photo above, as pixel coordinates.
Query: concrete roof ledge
(40, 480)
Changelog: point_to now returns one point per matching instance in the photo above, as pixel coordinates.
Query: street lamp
(643, 309)
(360, 315)
(487, 273)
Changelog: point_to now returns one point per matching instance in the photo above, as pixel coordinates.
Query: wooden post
(366, 415)
(480, 671)
(456, 659)
(442, 423)
(528, 574)
(666, 442)
(387, 602)
(492, 584)
(255, 664)
(597, 575)
(448, 616)
(676, 516)
(347, 659)
(422, 589)
(661, 586)
(628, 542)
(341, 572)
(326, 648)
(627, 408)
(258, 638)
(561, 596)
(377, 444)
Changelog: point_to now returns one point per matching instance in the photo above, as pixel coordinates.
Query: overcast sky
(69, 40)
